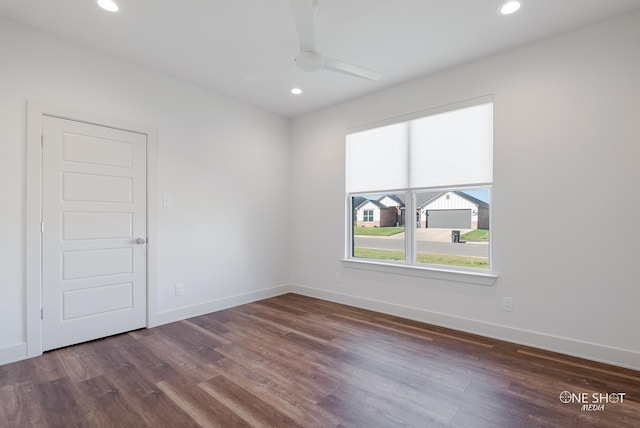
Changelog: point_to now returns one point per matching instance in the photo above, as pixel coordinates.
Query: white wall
(226, 165)
(566, 138)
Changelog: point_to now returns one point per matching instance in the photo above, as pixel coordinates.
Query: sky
(482, 194)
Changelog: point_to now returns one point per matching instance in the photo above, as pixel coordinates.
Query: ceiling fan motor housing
(309, 61)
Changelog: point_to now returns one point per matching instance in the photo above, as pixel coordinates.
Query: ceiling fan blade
(351, 69)
(303, 14)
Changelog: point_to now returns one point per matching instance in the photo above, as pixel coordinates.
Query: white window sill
(469, 277)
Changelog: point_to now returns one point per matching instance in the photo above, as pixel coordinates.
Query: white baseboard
(216, 305)
(13, 353)
(591, 351)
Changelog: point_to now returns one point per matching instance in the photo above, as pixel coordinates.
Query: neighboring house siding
(454, 202)
(360, 217)
(389, 202)
(389, 217)
(394, 215)
(382, 216)
(369, 206)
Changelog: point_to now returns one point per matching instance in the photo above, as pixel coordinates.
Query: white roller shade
(377, 159)
(452, 148)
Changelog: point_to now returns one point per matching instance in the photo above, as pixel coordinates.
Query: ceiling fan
(309, 59)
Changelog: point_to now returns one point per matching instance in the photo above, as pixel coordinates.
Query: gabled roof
(424, 199)
(357, 200)
(392, 197)
(470, 198)
(376, 203)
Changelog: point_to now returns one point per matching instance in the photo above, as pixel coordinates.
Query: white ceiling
(216, 44)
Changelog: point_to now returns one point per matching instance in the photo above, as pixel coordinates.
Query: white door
(93, 211)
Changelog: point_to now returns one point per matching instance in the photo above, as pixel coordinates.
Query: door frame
(33, 272)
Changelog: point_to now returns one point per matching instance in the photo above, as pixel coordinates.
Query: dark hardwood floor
(297, 361)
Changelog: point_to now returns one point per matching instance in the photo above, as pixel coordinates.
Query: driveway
(437, 235)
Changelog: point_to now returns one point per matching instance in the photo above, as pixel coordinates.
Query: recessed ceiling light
(296, 91)
(108, 5)
(510, 7)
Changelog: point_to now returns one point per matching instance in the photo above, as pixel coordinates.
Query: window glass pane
(377, 159)
(452, 228)
(378, 227)
(452, 148)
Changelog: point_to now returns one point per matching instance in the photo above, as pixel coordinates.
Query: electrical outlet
(179, 289)
(507, 304)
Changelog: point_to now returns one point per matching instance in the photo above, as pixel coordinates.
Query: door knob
(140, 241)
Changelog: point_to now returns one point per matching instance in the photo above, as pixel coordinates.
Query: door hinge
(41, 313)
(42, 227)
(42, 140)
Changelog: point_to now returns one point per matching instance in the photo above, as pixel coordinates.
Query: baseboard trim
(12, 353)
(203, 308)
(576, 348)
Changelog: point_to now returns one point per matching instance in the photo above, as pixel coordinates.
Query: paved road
(389, 243)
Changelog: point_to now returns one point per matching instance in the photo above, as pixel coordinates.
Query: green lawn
(373, 253)
(377, 231)
(478, 235)
(430, 258)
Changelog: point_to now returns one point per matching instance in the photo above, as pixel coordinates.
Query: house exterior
(446, 210)
(451, 210)
(391, 201)
(388, 211)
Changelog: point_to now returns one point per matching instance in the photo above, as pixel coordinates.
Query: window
(378, 233)
(438, 165)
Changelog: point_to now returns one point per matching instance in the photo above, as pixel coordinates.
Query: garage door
(449, 219)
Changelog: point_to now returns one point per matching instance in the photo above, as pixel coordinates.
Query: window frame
(410, 266)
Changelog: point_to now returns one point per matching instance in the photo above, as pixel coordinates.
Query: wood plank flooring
(293, 361)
